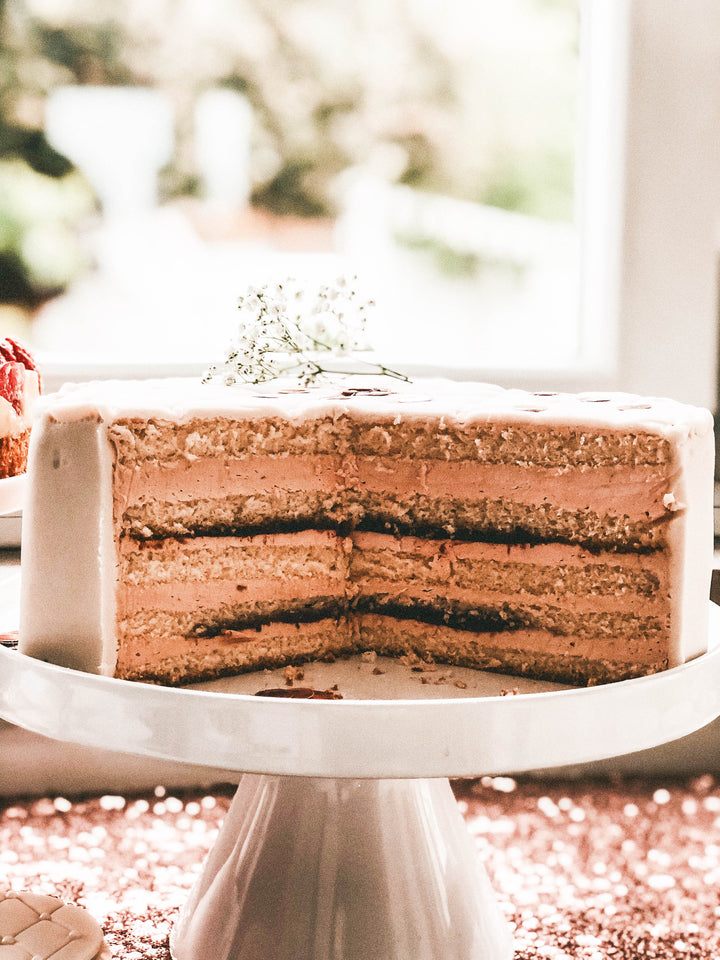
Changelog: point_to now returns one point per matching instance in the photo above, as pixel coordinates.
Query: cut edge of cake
(76, 479)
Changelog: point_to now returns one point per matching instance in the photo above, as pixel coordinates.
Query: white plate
(12, 493)
(419, 735)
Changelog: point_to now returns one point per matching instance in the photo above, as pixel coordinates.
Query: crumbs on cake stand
(295, 673)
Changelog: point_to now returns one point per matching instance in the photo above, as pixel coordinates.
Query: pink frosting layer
(221, 594)
(639, 493)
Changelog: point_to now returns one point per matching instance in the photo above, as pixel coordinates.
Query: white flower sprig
(285, 330)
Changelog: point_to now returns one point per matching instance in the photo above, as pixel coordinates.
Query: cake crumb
(377, 672)
(512, 692)
(461, 685)
(292, 674)
(409, 659)
(369, 656)
(438, 681)
(417, 664)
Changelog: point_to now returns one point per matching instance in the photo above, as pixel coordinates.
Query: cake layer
(476, 437)
(634, 488)
(545, 570)
(166, 617)
(542, 570)
(469, 500)
(187, 592)
(242, 561)
(524, 653)
(172, 660)
(499, 521)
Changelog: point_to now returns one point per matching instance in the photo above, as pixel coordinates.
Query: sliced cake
(177, 530)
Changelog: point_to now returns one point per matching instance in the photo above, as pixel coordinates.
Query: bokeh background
(157, 156)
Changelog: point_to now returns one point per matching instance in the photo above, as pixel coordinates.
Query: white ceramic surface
(12, 492)
(414, 735)
(318, 869)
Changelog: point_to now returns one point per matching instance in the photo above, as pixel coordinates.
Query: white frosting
(463, 402)
(692, 542)
(67, 607)
(68, 587)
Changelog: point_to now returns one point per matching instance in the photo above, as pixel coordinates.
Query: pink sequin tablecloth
(583, 869)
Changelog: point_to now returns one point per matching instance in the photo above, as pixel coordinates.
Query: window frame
(647, 210)
(667, 319)
(649, 126)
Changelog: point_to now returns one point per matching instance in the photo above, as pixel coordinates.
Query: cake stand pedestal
(344, 841)
(326, 869)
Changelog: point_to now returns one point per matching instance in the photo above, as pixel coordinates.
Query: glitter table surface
(583, 869)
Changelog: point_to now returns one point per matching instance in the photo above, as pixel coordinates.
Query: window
(529, 190)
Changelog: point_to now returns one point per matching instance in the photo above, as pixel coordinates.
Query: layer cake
(176, 530)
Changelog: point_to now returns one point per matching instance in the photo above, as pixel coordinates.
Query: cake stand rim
(377, 739)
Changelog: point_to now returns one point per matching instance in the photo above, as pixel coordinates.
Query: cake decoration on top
(287, 330)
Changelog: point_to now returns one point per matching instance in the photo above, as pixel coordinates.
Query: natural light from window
(196, 148)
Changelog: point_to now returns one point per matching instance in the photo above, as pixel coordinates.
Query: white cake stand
(344, 841)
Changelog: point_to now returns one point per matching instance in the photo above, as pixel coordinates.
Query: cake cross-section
(177, 531)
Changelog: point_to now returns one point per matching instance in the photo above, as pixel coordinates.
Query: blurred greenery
(333, 85)
(39, 247)
(536, 184)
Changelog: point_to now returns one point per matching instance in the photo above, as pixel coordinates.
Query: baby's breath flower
(280, 333)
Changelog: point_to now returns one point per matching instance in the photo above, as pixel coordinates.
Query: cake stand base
(310, 868)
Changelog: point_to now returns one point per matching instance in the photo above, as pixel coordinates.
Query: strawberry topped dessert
(19, 388)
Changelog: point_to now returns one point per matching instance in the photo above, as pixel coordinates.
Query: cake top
(458, 402)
